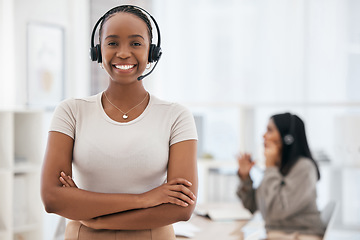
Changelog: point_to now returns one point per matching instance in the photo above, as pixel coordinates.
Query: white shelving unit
(21, 152)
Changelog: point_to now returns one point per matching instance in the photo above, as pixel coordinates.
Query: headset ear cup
(98, 50)
(154, 53)
(95, 53)
(288, 139)
(151, 52)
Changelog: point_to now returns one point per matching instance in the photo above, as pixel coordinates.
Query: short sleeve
(63, 119)
(183, 126)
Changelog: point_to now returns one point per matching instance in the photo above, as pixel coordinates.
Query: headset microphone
(145, 75)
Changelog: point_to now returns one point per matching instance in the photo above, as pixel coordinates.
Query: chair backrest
(327, 216)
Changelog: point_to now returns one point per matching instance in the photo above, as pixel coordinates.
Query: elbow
(185, 216)
(48, 206)
(275, 216)
(186, 213)
(49, 202)
(49, 209)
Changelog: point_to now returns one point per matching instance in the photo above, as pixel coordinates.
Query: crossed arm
(169, 203)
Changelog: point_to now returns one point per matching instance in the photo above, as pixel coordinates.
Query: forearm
(77, 204)
(246, 193)
(148, 218)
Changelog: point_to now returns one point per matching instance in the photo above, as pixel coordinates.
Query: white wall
(73, 17)
(277, 56)
(7, 57)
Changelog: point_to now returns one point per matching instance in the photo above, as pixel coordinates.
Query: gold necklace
(125, 116)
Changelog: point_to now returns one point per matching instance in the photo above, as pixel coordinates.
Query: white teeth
(124, 67)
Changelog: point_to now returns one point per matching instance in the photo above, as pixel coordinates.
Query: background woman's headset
(154, 50)
(289, 137)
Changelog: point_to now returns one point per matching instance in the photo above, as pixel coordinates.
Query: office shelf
(4, 235)
(21, 151)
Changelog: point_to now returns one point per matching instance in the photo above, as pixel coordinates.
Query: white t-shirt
(114, 157)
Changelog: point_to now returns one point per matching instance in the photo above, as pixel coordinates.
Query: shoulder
(179, 118)
(77, 101)
(72, 108)
(304, 166)
(74, 103)
(304, 163)
(174, 107)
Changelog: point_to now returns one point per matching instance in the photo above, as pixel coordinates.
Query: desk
(216, 230)
(232, 230)
(219, 230)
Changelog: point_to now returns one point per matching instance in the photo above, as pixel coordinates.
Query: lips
(124, 66)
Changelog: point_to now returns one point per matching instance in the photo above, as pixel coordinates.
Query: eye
(136, 44)
(112, 44)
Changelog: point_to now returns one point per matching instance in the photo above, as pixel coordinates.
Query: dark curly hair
(127, 9)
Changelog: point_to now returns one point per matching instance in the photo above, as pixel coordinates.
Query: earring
(148, 66)
(100, 64)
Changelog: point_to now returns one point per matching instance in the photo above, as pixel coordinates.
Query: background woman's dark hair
(127, 9)
(299, 147)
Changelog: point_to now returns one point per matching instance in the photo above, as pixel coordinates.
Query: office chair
(327, 216)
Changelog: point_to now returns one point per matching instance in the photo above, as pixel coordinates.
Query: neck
(125, 92)
(125, 97)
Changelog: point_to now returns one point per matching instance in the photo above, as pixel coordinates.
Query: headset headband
(141, 9)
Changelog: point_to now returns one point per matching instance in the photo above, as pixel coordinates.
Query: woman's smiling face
(124, 47)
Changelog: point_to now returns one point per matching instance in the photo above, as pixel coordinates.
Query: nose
(265, 136)
(123, 52)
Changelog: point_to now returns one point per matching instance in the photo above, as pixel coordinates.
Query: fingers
(245, 161)
(179, 193)
(181, 185)
(66, 180)
(245, 164)
(244, 157)
(247, 157)
(184, 193)
(180, 181)
(178, 202)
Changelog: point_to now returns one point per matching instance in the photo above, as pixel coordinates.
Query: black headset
(289, 137)
(154, 50)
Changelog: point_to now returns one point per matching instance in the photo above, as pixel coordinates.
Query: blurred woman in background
(287, 195)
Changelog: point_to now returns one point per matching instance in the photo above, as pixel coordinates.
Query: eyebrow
(136, 35)
(111, 36)
(131, 36)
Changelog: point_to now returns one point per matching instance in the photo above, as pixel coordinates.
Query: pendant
(125, 116)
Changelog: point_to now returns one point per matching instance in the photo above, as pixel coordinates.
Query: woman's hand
(272, 154)
(245, 165)
(66, 180)
(175, 191)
